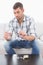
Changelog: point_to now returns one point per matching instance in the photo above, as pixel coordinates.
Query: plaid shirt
(28, 26)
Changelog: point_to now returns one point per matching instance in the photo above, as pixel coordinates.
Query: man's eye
(16, 12)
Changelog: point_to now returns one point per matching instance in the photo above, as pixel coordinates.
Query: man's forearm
(30, 38)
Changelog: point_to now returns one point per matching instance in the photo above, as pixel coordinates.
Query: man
(24, 29)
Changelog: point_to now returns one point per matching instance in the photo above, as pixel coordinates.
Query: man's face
(18, 13)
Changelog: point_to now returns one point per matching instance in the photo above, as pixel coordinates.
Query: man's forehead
(17, 9)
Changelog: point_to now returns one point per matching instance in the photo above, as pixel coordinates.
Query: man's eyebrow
(17, 11)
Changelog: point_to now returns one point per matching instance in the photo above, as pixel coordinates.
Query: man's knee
(35, 46)
(35, 42)
(6, 45)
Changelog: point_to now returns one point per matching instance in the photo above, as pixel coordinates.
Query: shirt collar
(24, 18)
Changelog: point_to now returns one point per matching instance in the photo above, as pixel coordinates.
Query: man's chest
(24, 26)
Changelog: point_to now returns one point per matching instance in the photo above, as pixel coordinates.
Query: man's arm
(32, 32)
(25, 36)
(9, 32)
(7, 36)
(30, 37)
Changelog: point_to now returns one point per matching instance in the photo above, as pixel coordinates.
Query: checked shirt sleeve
(32, 28)
(10, 27)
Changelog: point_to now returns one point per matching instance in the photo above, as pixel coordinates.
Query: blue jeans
(9, 45)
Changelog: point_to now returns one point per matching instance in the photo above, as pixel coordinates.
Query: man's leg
(31, 44)
(35, 48)
(9, 45)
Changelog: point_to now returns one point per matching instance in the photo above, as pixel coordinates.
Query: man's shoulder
(13, 20)
(28, 17)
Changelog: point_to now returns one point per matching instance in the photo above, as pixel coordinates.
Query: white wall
(33, 8)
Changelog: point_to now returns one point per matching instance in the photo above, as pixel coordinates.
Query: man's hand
(22, 33)
(7, 36)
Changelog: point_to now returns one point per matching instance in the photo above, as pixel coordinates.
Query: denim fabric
(9, 45)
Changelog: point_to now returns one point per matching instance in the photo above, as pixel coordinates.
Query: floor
(15, 60)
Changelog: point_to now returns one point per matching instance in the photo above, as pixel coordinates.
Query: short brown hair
(17, 4)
